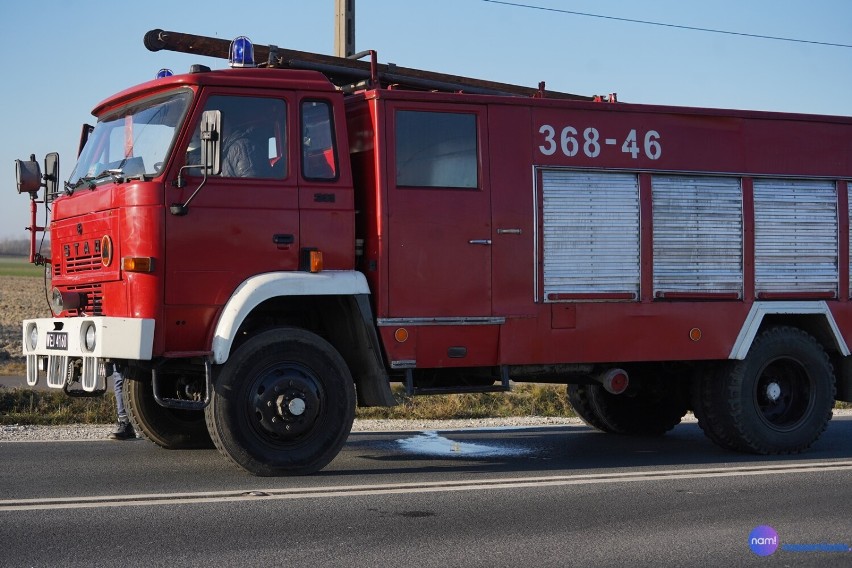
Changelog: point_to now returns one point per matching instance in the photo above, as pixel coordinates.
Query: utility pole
(344, 28)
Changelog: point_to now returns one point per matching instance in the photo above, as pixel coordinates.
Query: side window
(319, 157)
(254, 140)
(436, 149)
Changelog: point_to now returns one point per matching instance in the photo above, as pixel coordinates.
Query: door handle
(480, 242)
(283, 239)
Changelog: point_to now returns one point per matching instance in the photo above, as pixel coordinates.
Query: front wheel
(283, 404)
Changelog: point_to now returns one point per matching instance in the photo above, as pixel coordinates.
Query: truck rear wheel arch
(813, 317)
(816, 320)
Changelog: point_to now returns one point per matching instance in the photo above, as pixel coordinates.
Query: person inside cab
(245, 145)
(253, 133)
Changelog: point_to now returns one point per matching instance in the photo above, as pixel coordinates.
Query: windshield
(131, 142)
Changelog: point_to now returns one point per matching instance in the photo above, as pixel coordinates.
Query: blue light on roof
(164, 73)
(242, 53)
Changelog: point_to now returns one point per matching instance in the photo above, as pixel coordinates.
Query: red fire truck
(373, 224)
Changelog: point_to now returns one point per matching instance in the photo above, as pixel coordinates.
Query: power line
(664, 25)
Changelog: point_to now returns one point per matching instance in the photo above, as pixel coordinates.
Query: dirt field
(20, 298)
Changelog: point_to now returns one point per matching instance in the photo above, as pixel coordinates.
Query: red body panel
(412, 238)
(698, 140)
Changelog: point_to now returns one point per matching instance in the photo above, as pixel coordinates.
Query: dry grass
(25, 406)
(21, 297)
(523, 400)
(19, 266)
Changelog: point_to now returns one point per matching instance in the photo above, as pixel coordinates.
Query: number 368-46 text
(570, 142)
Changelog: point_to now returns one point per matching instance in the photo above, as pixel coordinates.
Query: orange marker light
(137, 264)
(316, 261)
(401, 335)
(695, 334)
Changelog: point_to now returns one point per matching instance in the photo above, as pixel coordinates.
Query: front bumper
(58, 349)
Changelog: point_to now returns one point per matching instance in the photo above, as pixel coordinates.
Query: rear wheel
(580, 399)
(777, 400)
(169, 428)
(283, 404)
(706, 410)
(649, 407)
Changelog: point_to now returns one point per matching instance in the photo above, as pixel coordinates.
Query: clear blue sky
(63, 57)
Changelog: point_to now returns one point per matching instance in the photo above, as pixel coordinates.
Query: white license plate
(57, 340)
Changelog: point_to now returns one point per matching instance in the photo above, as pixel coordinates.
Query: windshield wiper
(116, 174)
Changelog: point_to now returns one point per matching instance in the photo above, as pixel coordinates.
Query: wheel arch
(332, 304)
(813, 317)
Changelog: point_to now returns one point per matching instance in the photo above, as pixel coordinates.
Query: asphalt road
(558, 496)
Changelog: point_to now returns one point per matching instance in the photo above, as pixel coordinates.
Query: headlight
(32, 336)
(56, 301)
(61, 301)
(90, 337)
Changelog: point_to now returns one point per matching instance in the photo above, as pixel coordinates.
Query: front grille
(92, 299)
(80, 256)
(78, 267)
(82, 264)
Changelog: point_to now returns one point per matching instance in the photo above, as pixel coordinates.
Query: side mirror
(28, 176)
(211, 146)
(211, 157)
(51, 174)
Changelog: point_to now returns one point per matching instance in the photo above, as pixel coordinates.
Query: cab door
(241, 223)
(326, 195)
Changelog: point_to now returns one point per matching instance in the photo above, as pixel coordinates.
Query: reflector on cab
(106, 250)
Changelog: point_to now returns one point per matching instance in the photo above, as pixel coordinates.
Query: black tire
(709, 380)
(649, 407)
(168, 428)
(778, 400)
(283, 404)
(578, 396)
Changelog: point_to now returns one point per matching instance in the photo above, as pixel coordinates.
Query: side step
(181, 404)
(412, 390)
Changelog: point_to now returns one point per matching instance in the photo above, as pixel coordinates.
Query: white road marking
(422, 487)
